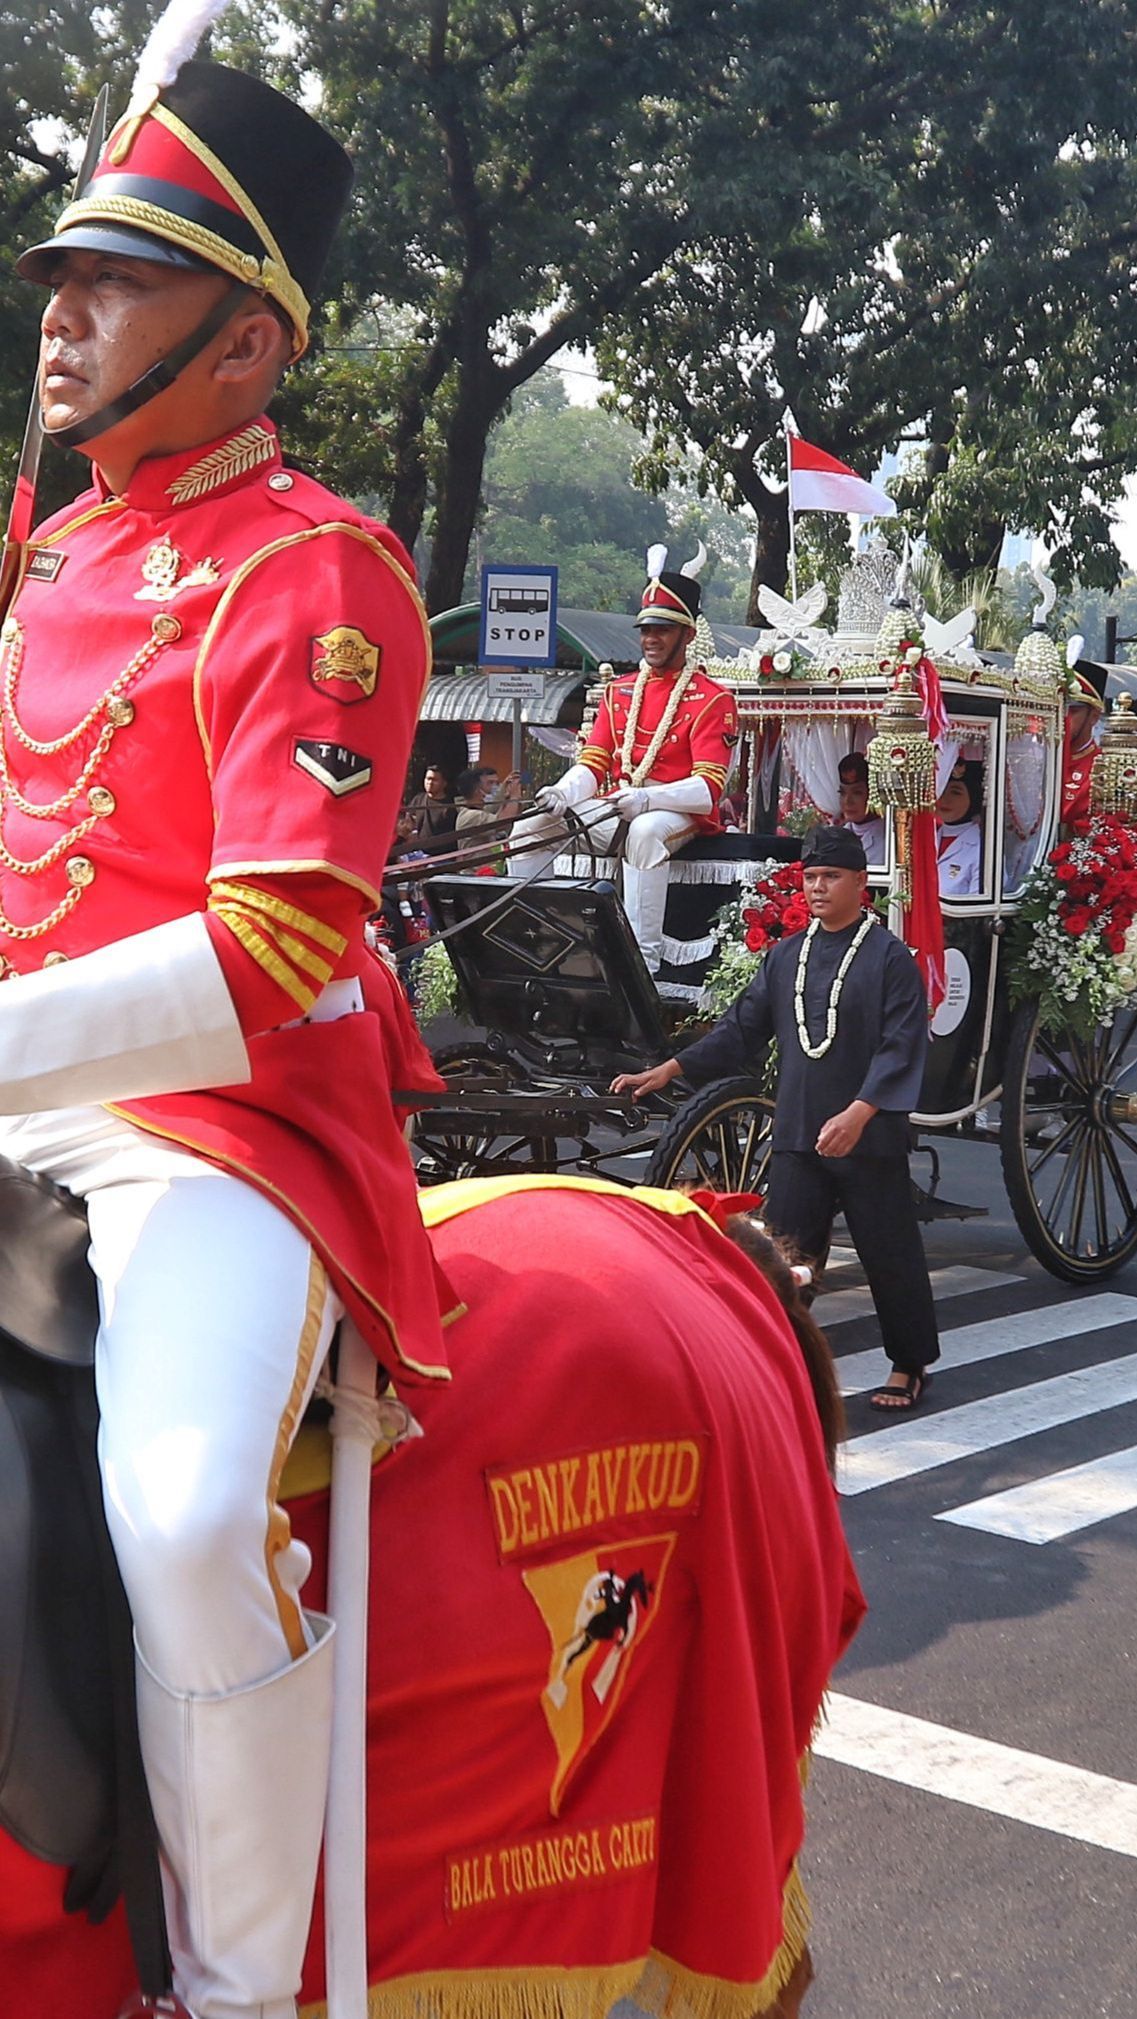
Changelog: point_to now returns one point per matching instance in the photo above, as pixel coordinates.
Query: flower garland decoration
(646, 765)
(818, 1051)
(1073, 945)
(770, 907)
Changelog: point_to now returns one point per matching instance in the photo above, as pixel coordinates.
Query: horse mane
(771, 1259)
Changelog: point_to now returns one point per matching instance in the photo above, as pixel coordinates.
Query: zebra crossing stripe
(968, 1345)
(1026, 1787)
(923, 1443)
(835, 1307)
(1060, 1504)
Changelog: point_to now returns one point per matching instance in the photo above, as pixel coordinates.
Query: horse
(639, 1409)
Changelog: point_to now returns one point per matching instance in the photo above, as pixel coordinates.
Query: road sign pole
(516, 763)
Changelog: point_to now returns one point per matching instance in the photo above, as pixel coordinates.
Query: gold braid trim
(266, 275)
(259, 949)
(240, 453)
(659, 1985)
(251, 898)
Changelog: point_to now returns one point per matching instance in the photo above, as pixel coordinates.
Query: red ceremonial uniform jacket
(700, 742)
(213, 678)
(1076, 774)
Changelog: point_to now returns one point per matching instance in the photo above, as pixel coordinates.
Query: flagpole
(790, 509)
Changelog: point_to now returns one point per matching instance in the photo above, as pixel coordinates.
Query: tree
(952, 265)
(558, 488)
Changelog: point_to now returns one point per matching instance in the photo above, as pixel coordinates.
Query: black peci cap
(833, 848)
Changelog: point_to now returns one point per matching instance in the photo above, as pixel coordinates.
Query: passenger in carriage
(960, 808)
(853, 793)
(663, 741)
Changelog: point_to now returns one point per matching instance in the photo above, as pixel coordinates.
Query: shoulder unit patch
(332, 765)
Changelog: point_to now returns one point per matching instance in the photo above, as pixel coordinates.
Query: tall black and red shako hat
(670, 597)
(212, 170)
(1087, 681)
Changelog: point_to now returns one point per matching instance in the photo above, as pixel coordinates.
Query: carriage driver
(212, 671)
(665, 737)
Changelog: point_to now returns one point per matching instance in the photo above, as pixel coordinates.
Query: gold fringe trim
(658, 1984)
(500, 1994)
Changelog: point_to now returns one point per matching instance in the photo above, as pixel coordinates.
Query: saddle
(71, 1785)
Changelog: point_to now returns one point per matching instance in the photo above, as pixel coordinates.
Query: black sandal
(901, 1401)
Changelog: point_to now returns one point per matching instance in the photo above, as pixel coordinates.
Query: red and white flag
(819, 483)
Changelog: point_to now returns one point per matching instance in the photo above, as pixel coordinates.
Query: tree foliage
(558, 488)
(954, 265)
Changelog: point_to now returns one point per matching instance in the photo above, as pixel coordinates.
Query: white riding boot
(238, 1784)
(645, 901)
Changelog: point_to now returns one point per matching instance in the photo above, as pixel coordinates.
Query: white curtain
(1026, 804)
(947, 751)
(815, 749)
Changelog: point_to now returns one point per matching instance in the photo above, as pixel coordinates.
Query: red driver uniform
(698, 744)
(1085, 705)
(656, 760)
(228, 738)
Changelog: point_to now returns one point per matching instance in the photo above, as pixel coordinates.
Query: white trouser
(216, 1317)
(652, 838)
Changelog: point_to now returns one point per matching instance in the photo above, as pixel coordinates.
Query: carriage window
(961, 789)
(1025, 801)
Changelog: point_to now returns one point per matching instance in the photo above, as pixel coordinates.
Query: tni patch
(332, 765)
(346, 663)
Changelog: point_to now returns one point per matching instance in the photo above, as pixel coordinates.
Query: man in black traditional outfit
(845, 1004)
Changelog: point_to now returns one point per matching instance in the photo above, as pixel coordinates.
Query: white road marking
(967, 1345)
(835, 1307)
(1060, 1504)
(1027, 1787)
(923, 1443)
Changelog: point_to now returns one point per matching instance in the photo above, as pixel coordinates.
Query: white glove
(630, 802)
(550, 799)
(578, 783)
(686, 795)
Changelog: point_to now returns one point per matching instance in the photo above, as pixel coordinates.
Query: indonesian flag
(819, 483)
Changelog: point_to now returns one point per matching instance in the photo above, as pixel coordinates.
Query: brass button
(165, 628)
(120, 711)
(101, 801)
(80, 871)
(280, 481)
(55, 959)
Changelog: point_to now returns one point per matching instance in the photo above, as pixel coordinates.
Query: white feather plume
(694, 567)
(656, 560)
(171, 42)
(1049, 598)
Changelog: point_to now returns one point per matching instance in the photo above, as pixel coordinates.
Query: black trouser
(875, 1195)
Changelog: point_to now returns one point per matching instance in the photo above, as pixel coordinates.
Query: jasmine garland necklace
(643, 769)
(818, 1051)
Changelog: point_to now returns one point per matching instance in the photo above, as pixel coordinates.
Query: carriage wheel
(720, 1138)
(1068, 1139)
(441, 1156)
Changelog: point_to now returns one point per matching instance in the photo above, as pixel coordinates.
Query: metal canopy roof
(465, 697)
(585, 638)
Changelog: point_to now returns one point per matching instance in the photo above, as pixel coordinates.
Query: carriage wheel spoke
(1120, 1047)
(1119, 1179)
(1062, 1188)
(1100, 1216)
(726, 1161)
(1053, 1148)
(1063, 1066)
(1080, 1189)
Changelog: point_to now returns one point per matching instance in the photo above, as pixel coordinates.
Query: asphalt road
(953, 1880)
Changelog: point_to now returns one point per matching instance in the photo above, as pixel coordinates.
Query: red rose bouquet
(1073, 946)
